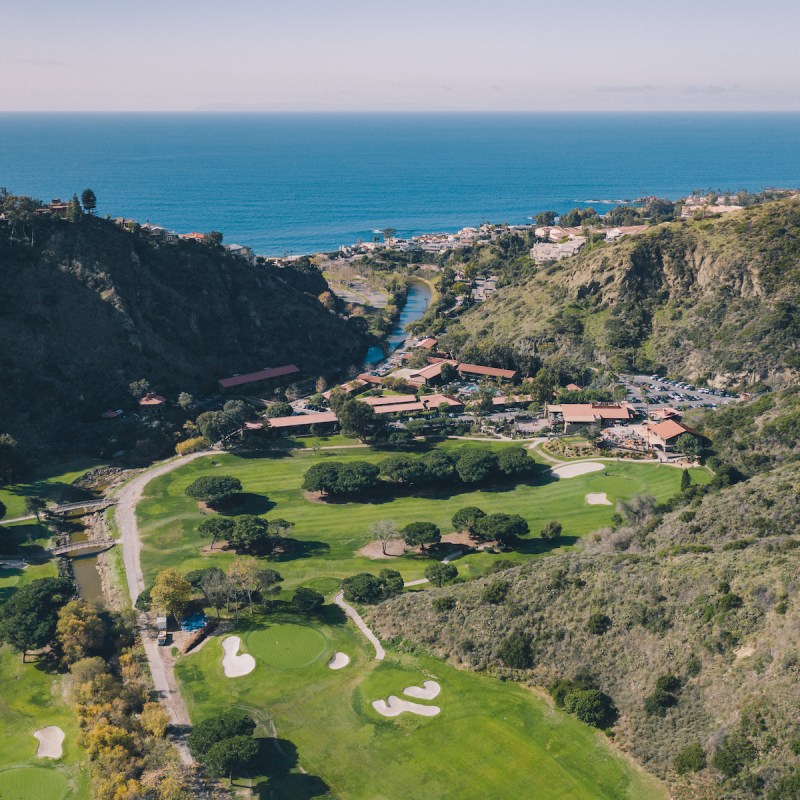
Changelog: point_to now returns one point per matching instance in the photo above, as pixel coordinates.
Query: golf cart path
(380, 653)
(159, 658)
(17, 519)
(446, 560)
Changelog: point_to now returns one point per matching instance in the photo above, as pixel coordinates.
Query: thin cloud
(31, 62)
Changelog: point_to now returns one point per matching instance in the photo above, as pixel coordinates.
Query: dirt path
(380, 653)
(17, 519)
(159, 658)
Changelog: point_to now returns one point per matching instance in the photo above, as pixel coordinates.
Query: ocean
(300, 183)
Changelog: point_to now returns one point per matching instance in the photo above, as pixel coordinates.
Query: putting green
(287, 646)
(24, 783)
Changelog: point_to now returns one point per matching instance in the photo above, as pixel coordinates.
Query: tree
(214, 238)
(268, 580)
(403, 469)
(89, 201)
(591, 706)
(359, 420)
(466, 519)
(307, 600)
(362, 588)
(79, 631)
(356, 477)
(207, 733)
(29, 617)
(171, 592)
(448, 372)
(279, 409)
(244, 577)
(503, 528)
(384, 530)
(215, 528)
(421, 533)
(186, 401)
(388, 233)
(251, 534)
(391, 582)
(322, 477)
(2, 509)
(552, 530)
(691, 758)
(689, 445)
(734, 754)
(231, 757)
(215, 490)
(515, 462)
(35, 505)
(74, 211)
(139, 389)
(545, 218)
(439, 574)
(686, 480)
(214, 585)
(438, 466)
(476, 465)
(515, 651)
(10, 458)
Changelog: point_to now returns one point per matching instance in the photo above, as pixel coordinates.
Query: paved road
(159, 658)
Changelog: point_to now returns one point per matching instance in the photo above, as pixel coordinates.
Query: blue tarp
(193, 623)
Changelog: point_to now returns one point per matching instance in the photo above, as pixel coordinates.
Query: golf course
(330, 738)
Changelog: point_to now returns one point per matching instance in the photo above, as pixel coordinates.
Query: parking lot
(649, 392)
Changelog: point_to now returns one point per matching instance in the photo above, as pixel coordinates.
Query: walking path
(159, 658)
(380, 653)
(17, 519)
(446, 560)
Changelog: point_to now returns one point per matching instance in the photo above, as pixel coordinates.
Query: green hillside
(715, 300)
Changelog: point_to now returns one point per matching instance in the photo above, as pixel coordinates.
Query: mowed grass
(32, 698)
(330, 534)
(51, 485)
(491, 739)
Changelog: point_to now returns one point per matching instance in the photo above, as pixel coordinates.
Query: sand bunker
(427, 691)
(50, 739)
(338, 661)
(232, 665)
(574, 470)
(598, 499)
(394, 706)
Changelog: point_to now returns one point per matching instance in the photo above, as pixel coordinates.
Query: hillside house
(664, 435)
(153, 403)
(241, 251)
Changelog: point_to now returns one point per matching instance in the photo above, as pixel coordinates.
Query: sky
(409, 55)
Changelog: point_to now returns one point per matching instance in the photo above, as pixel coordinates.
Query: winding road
(159, 658)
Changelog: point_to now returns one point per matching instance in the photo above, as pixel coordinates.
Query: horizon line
(363, 112)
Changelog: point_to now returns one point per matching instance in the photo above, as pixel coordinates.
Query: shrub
(307, 600)
(495, 592)
(591, 706)
(444, 603)
(598, 624)
(733, 755)
(691, 758)
(552, 530)
(192, 445)
(515, 651)
(439, 574)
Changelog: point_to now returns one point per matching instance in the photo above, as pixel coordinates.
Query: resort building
(474, 371)
(267, 374)
(575, 415)
(663, 435)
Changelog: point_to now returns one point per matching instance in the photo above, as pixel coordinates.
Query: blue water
(417, 299)
(295, 183)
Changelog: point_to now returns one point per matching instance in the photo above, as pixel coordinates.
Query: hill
(714, 300)
(700, 595)
(87, 307)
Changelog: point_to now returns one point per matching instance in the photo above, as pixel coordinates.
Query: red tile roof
(669, 429)
(300, 420)
(435, 400)
(367, 378)
(396, 399)
(588, 412)
(151, 399)
(511, 399)
(492, 372)
(261, 375)
(573, 387)
(428, 343)
(399, 408)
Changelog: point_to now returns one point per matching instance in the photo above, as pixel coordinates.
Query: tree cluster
(581, 697)
(215, 490)
(502, 528)
(225, 745)
(367, 588)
